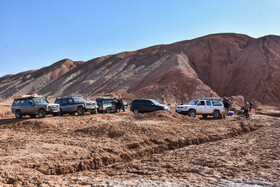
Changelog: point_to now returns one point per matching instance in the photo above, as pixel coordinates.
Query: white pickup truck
(204, 106)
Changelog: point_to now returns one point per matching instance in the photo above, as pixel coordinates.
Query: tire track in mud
(155, 147)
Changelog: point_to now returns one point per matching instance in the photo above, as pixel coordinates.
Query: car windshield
(155, 102)
(194, 102)
(78, 99)
(40, 100)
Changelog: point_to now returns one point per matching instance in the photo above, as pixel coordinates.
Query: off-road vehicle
(204, 106)
(110, 104)
(73, 104)
(32, 106)
(146, 105)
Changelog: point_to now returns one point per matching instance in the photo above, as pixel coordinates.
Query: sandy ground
(153, 149)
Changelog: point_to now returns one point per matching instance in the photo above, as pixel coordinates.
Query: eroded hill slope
(219, 64)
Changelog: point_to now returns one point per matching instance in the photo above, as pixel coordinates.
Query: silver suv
(76, 104)
(32, 106)
(205, 106)
(110, 104)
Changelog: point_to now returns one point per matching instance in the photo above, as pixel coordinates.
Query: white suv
(204, 106)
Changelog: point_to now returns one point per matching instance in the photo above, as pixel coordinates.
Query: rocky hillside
(219, 64)
(31, 81)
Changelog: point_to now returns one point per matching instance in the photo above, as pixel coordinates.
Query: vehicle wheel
(136, 111)
(192, 113)
(81, 111)
(18, 114)
(204, 116)
(32, 116)
(216, 114)
(56, 114)
(108, 110)
(42, 113)
(60, 113)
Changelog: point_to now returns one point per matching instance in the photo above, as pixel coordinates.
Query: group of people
(247, 107)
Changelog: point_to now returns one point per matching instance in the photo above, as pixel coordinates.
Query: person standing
(119, 105)
(246, 109)
(226, 105)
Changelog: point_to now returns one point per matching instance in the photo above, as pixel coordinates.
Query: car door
(63, 105)
(114, 104)
(30, 107)
(140, 105)
(23, 107)
(71, 106)
(209, 107)
(150, 106)
(201, 107)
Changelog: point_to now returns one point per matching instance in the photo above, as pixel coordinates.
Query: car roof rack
(68, 96)
(105, 97)
(212, 98)
(27, 96)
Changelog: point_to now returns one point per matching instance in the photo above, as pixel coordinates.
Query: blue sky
(37, 33)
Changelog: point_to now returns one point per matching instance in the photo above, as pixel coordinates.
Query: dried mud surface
(160, 149)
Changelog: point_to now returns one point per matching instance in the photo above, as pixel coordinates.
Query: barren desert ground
(153, 149)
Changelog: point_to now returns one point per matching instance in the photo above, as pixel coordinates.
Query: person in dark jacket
(119, 104)
(247, 109)
(226, 105)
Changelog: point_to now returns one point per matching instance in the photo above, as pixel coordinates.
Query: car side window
(23, 103)
(148, 103)
(217, 103)
(58, 101)
(29, 102)
(70, 101)
(64, 102)
(16, 103)
(208, 103)
(201, 103)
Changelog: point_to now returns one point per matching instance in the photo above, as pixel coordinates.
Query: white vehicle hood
(185, 106)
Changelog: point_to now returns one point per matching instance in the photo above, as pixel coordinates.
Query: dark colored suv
(146, 105)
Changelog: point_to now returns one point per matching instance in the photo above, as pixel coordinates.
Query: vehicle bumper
(90, 108)
(181, 111)
(52, 110)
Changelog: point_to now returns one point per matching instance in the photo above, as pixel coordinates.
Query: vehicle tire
(42, 113)
(204, 116)
(135, 111)
(81, 111)
(108, 110)
(18, 114)
(94, 111)
(60, 113)
(32, 115)
(56, 114)
(192, 113)
(216, 114)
